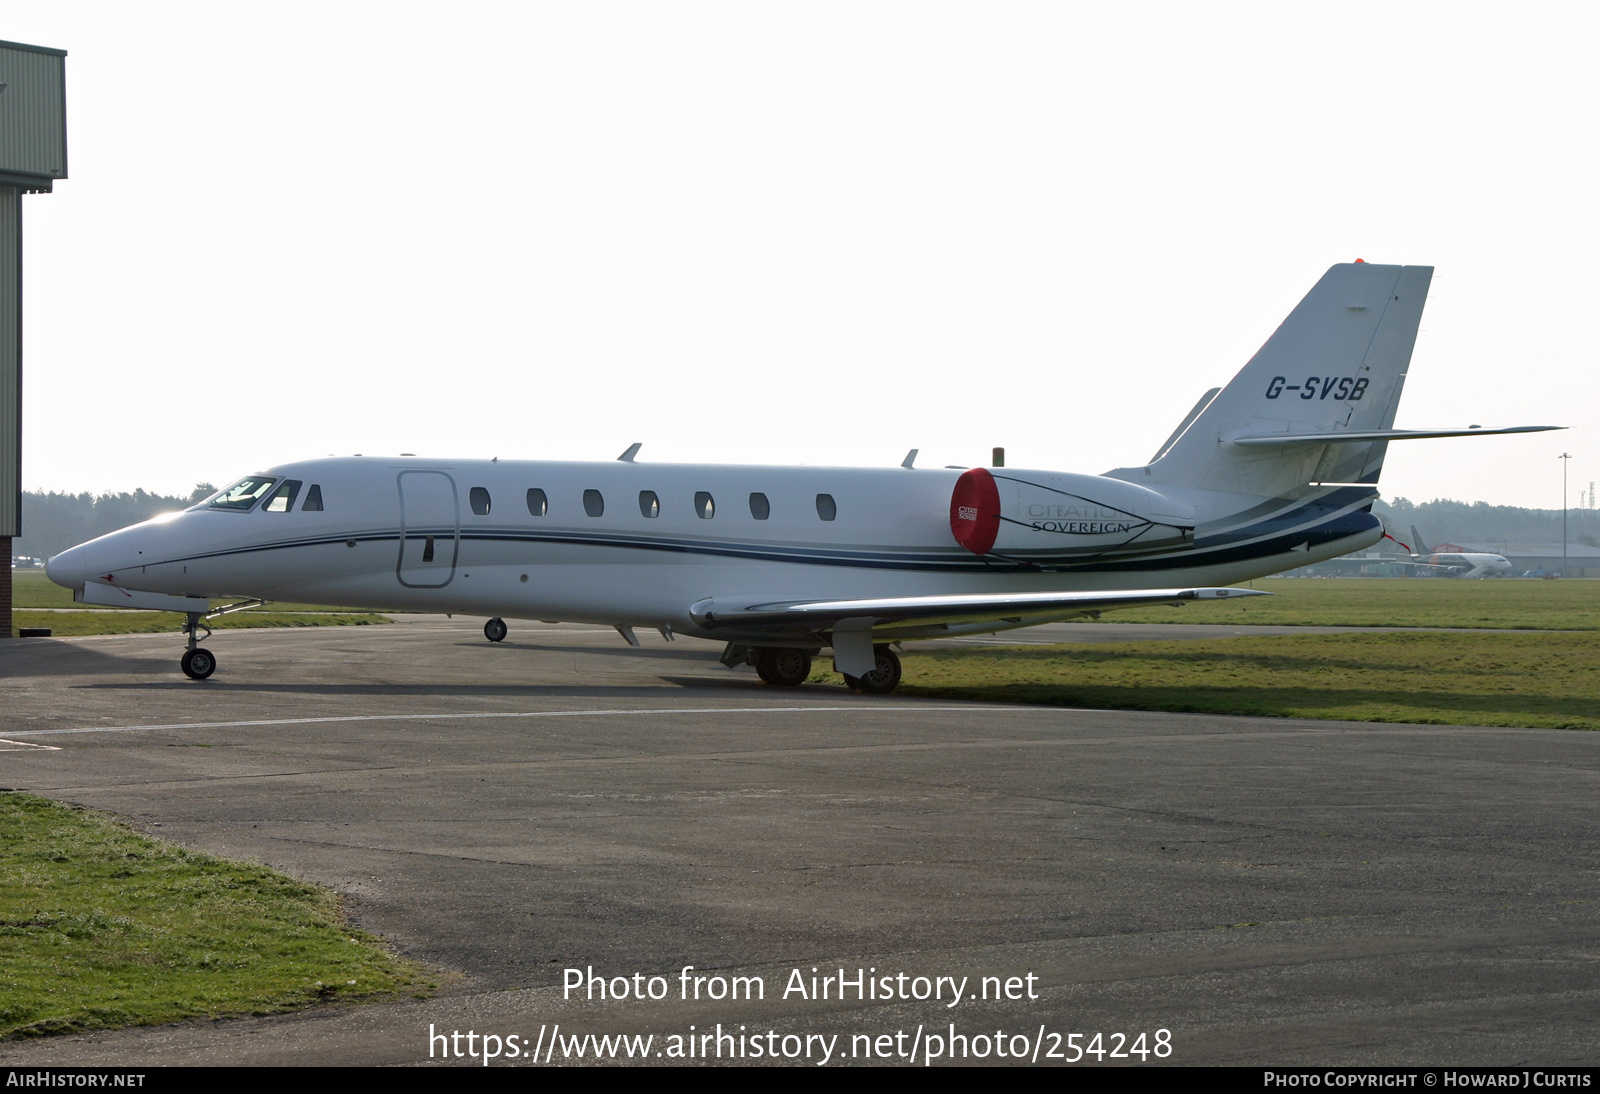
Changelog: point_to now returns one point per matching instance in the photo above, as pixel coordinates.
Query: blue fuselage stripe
(1314, 524)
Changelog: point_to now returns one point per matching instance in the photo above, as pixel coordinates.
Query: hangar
(33, 154)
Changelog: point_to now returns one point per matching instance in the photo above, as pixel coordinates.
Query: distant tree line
(1445, 521)
(53, 522)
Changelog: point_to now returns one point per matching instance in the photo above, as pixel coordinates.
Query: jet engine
(1046, 515)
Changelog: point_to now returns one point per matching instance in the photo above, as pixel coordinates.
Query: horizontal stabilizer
(1256, 439)
(821, 615)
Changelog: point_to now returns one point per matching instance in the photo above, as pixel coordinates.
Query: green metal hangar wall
(33, 154)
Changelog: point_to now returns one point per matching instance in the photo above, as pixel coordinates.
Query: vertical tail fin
(1419, 546)
(1337, 363)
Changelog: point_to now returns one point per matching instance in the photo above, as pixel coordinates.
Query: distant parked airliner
(1457, 563)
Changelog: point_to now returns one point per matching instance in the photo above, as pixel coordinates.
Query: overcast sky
(792, 233)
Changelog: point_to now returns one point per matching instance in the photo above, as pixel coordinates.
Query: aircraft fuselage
(626, 543)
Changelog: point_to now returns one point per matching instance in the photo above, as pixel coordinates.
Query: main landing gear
(495, 629)
(197, 663)
(884, 677)
(789, 667)
(782, 666)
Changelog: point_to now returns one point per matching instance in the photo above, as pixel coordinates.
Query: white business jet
(1274, 471)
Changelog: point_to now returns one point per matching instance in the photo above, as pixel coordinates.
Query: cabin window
(478, 498)
(649, 504)
(313, 502)
(538, 504)
(593, 503)
(704, 507)
(759, 507)
(826, 509)
(243, 495)
(281, 500)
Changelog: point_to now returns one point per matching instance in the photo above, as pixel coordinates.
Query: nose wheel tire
(782, 667)
(198, 663)
(495, 629)
(884, 677)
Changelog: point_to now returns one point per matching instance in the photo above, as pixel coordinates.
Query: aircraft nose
(111, 553)
(69, 568)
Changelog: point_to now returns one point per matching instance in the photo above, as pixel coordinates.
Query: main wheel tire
(495, 629)
(884, 677)
(198, 663)
(783, 666)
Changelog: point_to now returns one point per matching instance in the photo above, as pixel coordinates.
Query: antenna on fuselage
(911, 459)
(633, 450)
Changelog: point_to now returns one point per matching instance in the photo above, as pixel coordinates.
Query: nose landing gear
(197, 663)
(495, 629)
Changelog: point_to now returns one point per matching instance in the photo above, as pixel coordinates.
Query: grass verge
(67, 624)
(1535, 680)
(1501, 603)
(1509, 603)
(32, 589)
(101, 927)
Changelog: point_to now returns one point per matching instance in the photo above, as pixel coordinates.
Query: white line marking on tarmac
(456, 717)
(24, 746)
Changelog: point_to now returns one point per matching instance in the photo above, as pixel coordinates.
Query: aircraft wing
(750, 614)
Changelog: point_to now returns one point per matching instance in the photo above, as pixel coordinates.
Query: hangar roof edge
(33, 49)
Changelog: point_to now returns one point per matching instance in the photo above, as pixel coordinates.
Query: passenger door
(430, 529)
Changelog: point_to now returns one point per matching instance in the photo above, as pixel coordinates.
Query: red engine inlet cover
(975, 511)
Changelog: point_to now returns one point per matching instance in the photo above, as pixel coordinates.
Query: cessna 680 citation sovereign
(1276, 470)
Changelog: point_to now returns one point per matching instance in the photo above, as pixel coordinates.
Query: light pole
(1564, 457)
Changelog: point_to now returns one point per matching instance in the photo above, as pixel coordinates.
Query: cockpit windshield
(244, 494)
